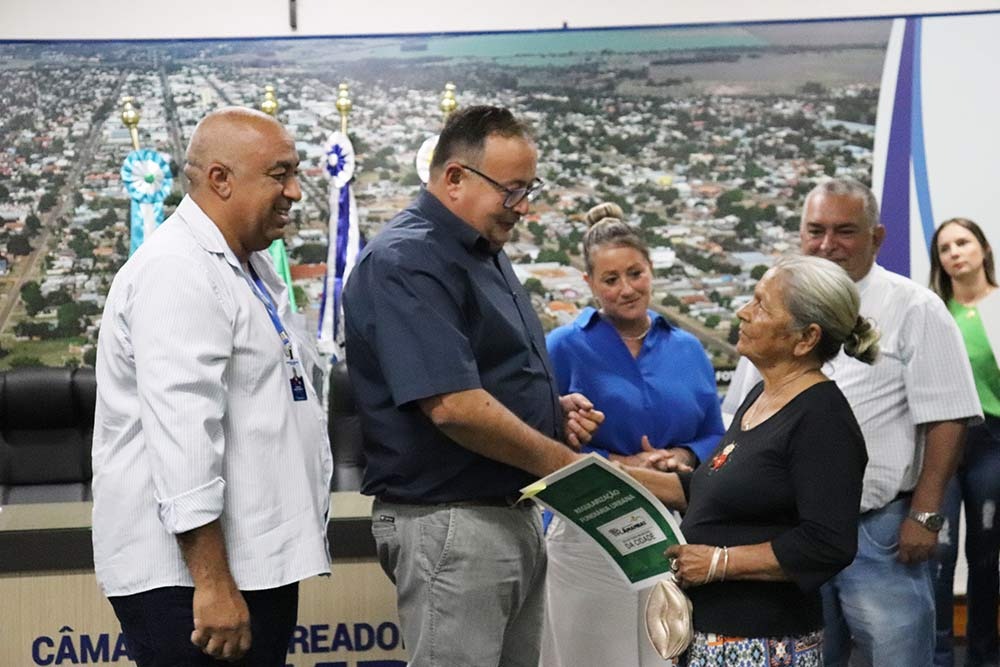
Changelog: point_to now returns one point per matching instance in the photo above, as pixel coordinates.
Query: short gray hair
(817, 291)
(849, 187)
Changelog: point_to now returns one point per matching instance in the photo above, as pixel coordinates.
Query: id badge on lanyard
(298, 383)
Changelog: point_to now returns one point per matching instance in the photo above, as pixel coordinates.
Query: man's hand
(916, 543)
(581, 419)
(945, 441)
(221, 622)
(221, 617)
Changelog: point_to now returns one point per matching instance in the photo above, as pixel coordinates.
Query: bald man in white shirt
(211, 460)
(913, 406)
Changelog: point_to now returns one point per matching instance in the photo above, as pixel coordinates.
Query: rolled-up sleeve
(827, 460)
(182, 336)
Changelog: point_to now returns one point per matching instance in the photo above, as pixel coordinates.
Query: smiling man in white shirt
(211, 459)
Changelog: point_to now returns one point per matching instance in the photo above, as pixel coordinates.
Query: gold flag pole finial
(270, 103)
(448, 101)
(343, 106)
(130, 118)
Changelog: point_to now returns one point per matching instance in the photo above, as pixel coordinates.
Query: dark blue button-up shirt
(430, 310)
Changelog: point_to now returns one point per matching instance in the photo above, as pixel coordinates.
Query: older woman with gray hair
(773, 513)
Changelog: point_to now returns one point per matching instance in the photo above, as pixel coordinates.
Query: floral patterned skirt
(712, 650)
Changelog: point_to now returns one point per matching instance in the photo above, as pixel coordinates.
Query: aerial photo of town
(708, 137)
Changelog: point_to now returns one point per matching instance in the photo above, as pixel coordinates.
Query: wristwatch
(932, 521)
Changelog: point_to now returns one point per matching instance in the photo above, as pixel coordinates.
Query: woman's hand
(674, 459)
(692, 563)
(754, 562)
(639, 460)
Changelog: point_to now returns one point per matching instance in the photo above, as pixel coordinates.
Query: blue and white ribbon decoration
(147, 178)
(345, 242)
(339, 160)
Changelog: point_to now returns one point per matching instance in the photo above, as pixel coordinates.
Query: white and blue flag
(345, 242)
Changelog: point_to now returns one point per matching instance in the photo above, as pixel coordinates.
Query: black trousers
(157, 625)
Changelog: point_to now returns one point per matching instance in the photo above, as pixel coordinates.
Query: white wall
(143, 19)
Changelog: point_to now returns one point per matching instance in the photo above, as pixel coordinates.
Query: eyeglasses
(514, 195)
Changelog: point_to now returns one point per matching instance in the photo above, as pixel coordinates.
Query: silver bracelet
(714, 564)
(725, 563)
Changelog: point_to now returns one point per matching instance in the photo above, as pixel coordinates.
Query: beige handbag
(668, 619)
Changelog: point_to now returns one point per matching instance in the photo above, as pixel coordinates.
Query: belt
(902, 495)
(510, 500)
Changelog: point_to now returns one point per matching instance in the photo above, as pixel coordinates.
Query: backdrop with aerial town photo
(708, 137)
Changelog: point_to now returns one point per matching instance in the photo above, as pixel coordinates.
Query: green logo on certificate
(632, 532)
(630, 525)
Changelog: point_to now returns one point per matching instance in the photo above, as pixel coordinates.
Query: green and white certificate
(630, 525)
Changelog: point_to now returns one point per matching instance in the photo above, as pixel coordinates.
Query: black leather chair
(344, 427)
(46, 432)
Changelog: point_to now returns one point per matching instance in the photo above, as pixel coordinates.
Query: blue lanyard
(297, 383)
(261, 292)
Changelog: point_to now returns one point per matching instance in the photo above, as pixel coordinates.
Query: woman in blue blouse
(656, 387)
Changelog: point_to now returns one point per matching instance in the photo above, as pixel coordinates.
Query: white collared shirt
(195, 419)
(922, 375)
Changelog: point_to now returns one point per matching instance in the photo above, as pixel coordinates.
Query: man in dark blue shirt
(458, 402)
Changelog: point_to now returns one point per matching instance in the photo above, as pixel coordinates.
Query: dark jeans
(977, 484)
(157, 625)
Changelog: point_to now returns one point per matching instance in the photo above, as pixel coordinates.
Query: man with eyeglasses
(458, 402)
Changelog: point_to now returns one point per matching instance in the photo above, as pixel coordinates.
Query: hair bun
(607, 209)
(862, 342)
